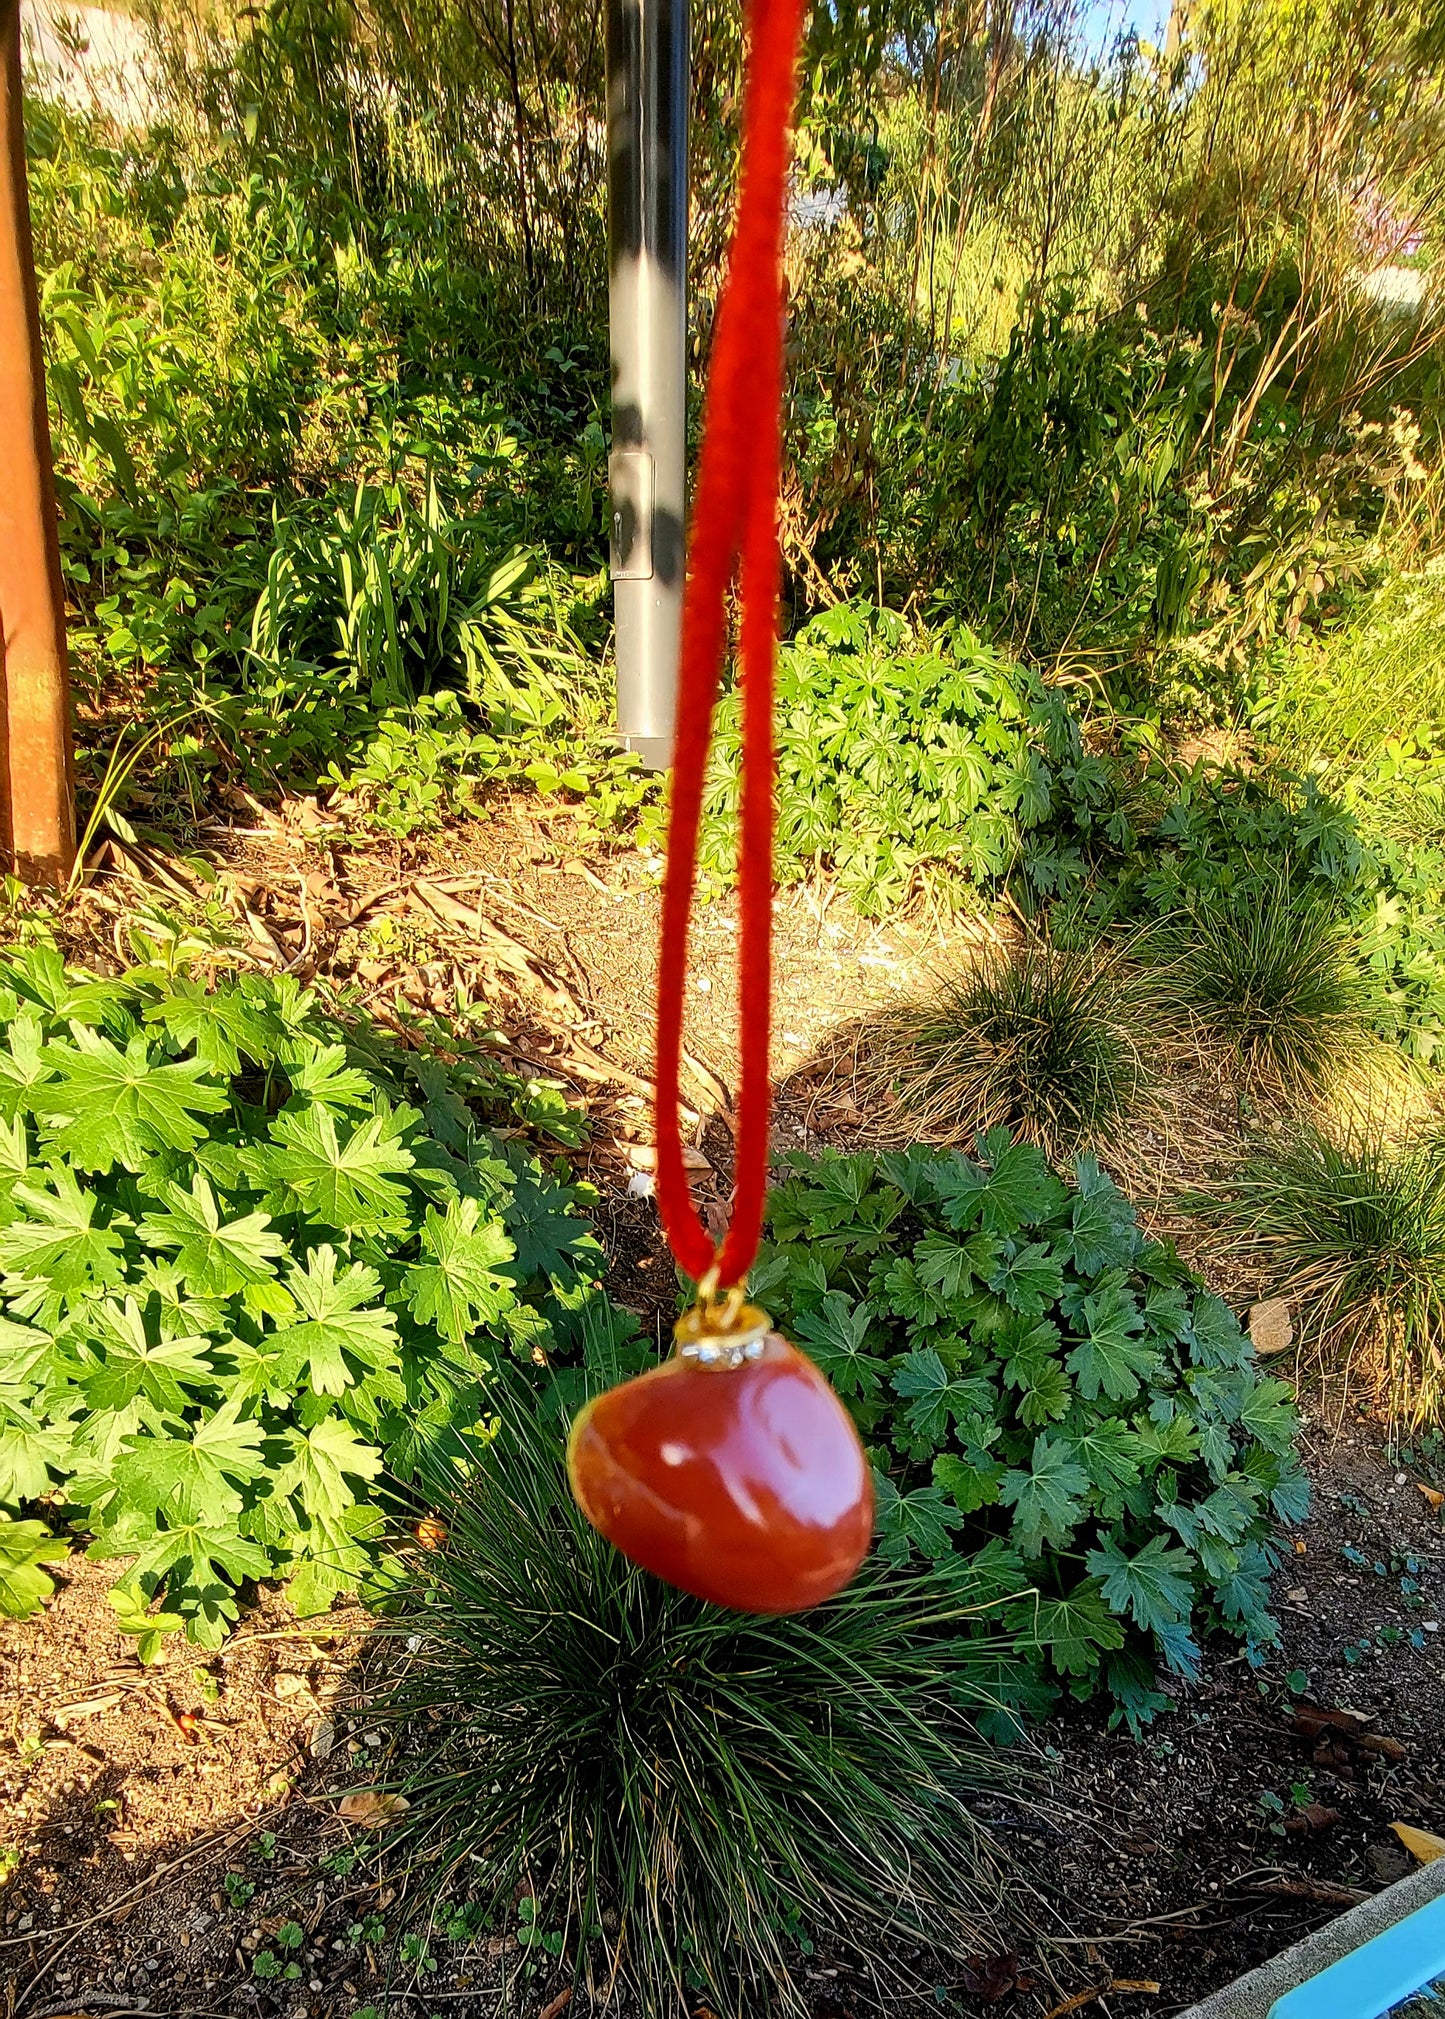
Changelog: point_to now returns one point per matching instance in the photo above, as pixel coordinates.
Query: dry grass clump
(1039, 1039)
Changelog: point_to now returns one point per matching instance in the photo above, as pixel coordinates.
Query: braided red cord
(734, 526)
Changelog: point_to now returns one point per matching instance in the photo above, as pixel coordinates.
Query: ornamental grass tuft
(1264, 978)
(1038, 1039)
(1351, 1227)
(668, 1797)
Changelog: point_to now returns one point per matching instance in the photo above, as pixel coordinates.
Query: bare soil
(173, 1833)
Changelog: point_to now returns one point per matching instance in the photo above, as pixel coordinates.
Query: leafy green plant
(1037, 1039)
(245, 1276)
(1044, 1389)
(673, 1785)
(1351, 1228)
(135, 1617)
(909, 761)
(24, 1546)
(1266, 976)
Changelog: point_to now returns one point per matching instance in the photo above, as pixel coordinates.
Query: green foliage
(1037, 1039)
(1049, 1396)
(345, 532)
(1365, 693)
(1257, 854)
(1351, 1227)
(24, 1546)
(681, 1794)
(912, 761)
(253, 1257)
(1045, 491)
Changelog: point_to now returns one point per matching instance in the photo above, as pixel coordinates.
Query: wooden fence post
(37, 806)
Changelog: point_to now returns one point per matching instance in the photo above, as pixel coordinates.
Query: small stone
(372, 1739)
(1387, 1863)
(1270, 1327)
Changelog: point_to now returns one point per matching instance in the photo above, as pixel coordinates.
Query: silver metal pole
(647, 122)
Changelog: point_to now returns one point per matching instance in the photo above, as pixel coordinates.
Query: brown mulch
(168, 1825)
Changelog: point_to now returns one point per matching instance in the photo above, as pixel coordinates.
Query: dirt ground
(171, 1836)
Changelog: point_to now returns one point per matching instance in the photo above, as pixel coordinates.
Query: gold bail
(721, 1330)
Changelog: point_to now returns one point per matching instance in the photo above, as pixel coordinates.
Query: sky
(1103, 21)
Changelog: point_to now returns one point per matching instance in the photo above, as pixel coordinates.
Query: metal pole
(37, 810)
(647, 122)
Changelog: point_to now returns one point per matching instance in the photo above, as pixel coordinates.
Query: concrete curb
(1250, 1997)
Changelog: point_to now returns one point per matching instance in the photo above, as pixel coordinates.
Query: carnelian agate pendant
(733, 1471)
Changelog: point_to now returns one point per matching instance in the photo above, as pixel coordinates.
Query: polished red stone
(746, 1486)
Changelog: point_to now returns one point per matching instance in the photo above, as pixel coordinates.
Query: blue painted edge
(1381, 1974)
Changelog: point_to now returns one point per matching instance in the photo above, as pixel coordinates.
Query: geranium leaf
(1077, 1631)
(216, 1257)
(342, 1319)
(196, 1472)
(128, 1363)
(459, 1285)
(1154, 1587)
(1102, 1233)
(324, 1078)
(348, 1183)
(58, 1239)
(1268, 1413)
(1047, 1500)
(321, 1463)
(106, 1107)
(1014, 1188)
(1030, 1280)
(1112, 1359)
(836, 1336)
(24, 1546)
(550, 1240)
(221, 1027)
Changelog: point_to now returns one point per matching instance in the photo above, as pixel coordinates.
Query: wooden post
(37, 806)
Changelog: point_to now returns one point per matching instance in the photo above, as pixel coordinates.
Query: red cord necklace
(732, 1470)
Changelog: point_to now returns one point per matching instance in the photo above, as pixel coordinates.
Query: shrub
(911, 762)
(1038, 1381)
(598, 1763)
(244, 1272)
(306, 492)
(1036, 1039)
(1352, 1230)
(1265, 976)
